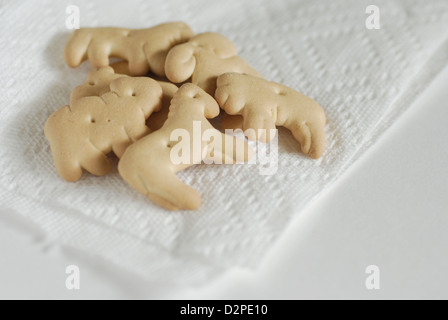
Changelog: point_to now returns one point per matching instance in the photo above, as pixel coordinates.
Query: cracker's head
(191, 96)
(232, 93)
(69, 134)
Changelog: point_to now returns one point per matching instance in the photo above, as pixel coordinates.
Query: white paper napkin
(363, 78)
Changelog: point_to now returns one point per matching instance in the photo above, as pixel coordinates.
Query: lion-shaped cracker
(144, 49)
(203, 58)
(148, 164)
(264, 105)
(84, 132)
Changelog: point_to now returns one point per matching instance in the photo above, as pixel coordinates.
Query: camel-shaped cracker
(148, 165)
(144, 49)
(203, 58)
(84, 132)
(265, 105)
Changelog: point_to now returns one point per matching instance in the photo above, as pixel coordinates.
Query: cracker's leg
(98, 55)
(166, 189)
(310, 137)
(161, 186)
(97, 164)
(138, 64)
(261, 121)
(75, 51)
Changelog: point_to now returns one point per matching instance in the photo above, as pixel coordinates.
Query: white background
(389, 209)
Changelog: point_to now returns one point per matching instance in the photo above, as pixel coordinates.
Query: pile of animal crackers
(168, 79)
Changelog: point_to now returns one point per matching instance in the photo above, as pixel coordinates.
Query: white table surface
(390, 209)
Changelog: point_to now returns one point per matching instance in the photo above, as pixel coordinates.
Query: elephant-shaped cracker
(84, 132)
